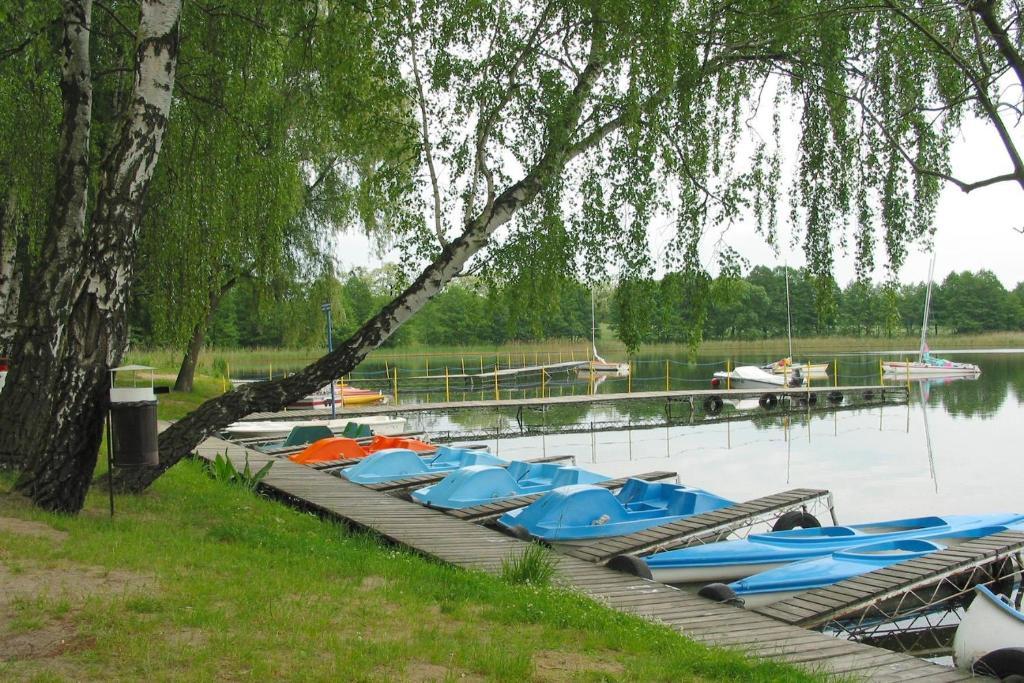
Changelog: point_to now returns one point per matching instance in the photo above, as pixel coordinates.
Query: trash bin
(133, 422)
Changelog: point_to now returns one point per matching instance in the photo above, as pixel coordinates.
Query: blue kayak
(786, 581)
(479, 484)
(584, 512)
(732, 560)
(398, 463)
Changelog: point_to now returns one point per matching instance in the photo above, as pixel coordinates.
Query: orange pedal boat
(341, 448)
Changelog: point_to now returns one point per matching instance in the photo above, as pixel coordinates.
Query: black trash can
(133, 427)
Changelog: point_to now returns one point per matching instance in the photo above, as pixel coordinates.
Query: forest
(472, 312)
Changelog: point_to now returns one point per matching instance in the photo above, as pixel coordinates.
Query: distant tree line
(754, 306)
(470, 311)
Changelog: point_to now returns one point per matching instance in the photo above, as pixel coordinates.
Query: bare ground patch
(559, 665)
(24, 527)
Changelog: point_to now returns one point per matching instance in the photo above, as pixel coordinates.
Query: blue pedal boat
(480, 484)
(733, 560)
(581, 513)
(399, 463)
(784, 582)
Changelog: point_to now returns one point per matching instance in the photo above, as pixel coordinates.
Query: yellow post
(463, 359)
(543, 381)
(481, 363)
(728, 374)
(447, 391)
(396, 385)
(509, 360)
(907, 368)
(881, 379)
(835, 371)
(524, 359)
(559, 355)
(536, 358)
(591, 377)
(807, 366)
(572, 354)
(666, 376)
(270, 371)
(427, 359)
(629, 379)
(497, 395)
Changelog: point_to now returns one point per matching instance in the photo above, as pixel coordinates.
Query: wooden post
(728, 374)
(667, 381)
(447, 390)
(396, 384)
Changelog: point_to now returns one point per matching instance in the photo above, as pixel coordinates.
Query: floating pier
(808, 395)
(474, 546)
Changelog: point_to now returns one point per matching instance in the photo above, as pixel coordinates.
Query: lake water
(956, 447)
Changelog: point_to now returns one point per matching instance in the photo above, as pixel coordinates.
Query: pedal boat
(582, 513)
(480, 484)
(399, 463)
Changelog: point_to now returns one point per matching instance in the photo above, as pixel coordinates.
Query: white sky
(973, 231)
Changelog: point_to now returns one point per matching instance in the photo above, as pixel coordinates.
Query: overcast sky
(973, 231)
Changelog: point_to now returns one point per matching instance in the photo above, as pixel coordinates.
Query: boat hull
(989, 624)
(900, 370)
(701, 575)
(271, 429)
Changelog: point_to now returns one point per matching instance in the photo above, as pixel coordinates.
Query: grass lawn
(200, 580)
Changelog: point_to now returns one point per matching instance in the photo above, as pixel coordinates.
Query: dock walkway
(477, 547)
(895, 391)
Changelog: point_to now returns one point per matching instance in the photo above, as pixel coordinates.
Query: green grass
(215, 582)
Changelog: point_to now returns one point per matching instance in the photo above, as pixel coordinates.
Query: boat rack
(906, 603)
(479, 547)
(489, 512)
(708, 527)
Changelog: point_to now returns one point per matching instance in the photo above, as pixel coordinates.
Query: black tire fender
(768, 401)
(713, 405)
(630, 564)
(1006, 664)
(520, 532)
(720, 592)
(796, 519)
(835, 396)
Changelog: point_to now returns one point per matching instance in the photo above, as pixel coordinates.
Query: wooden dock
(473, 546)
(904, 588)
(893, 391)
(566, 366)
(706, 527)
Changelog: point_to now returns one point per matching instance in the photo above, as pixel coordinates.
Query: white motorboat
(273, 429)
(753, 377)
(990, 637)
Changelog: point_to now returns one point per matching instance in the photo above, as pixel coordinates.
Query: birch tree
(543, 123)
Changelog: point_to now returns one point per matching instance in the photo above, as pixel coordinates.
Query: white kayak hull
(989, 624)
(710, 574)
(270, 429)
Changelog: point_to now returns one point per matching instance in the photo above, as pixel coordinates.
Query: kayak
(732, 560)
(479, 484)
(584, 512)
(399, 463)
(784, 582)
(277, 429)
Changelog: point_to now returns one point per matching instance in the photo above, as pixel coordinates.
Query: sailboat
(926, 364)
(598, 364)
(786, 366)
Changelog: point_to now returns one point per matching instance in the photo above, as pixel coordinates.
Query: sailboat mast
(789, 317)
(927, 308)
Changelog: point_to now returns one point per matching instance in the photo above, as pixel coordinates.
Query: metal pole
(326, 306)
(789, 317)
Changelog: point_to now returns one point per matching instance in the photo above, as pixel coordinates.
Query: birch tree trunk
(96, 330)
(31, 390)
(10, 274)
(181, 438)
